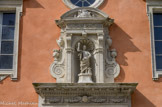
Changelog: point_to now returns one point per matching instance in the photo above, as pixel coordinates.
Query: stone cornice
(55, 93)
(10, 2)
(154, 2)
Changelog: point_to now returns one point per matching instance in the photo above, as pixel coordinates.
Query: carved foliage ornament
(57, 68)
(112, 67)
(86, 99)
(88, 93)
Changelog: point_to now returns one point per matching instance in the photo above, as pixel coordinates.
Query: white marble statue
(84, 56)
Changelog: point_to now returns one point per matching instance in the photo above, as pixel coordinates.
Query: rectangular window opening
(7, 30)
(157, 22)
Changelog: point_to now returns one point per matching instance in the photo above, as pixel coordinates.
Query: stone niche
(88, 28)
(84, 67)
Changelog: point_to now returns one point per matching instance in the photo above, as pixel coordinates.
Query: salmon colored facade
(130, 34)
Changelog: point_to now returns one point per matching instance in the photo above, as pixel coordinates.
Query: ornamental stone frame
(88, 26)
(88, 79)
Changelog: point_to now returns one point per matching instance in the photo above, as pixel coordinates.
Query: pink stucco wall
(38, 34)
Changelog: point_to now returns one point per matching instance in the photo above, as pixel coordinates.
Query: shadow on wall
(123, 44)
(159, 80)
(29, 4)
(139, 100)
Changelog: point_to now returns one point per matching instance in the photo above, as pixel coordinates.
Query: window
(157, 17)
(154, 11)
(10, 11)
(83, 3)
(7, 27)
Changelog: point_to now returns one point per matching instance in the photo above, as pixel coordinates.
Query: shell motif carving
(88, 43)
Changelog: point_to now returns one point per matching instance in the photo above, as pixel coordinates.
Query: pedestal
(85, 78)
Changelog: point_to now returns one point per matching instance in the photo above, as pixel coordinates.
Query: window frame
(16, 6)
(153, 6)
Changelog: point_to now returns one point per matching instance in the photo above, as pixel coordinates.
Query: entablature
(85, 93)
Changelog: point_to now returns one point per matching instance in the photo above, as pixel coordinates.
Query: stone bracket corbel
(60, 23)
(108, 22)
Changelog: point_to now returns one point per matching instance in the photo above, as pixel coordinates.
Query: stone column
(99, 56)
(69, 59)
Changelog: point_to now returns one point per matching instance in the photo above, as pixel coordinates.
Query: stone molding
(90, 93)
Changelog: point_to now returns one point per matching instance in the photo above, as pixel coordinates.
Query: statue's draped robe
(84, 61)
